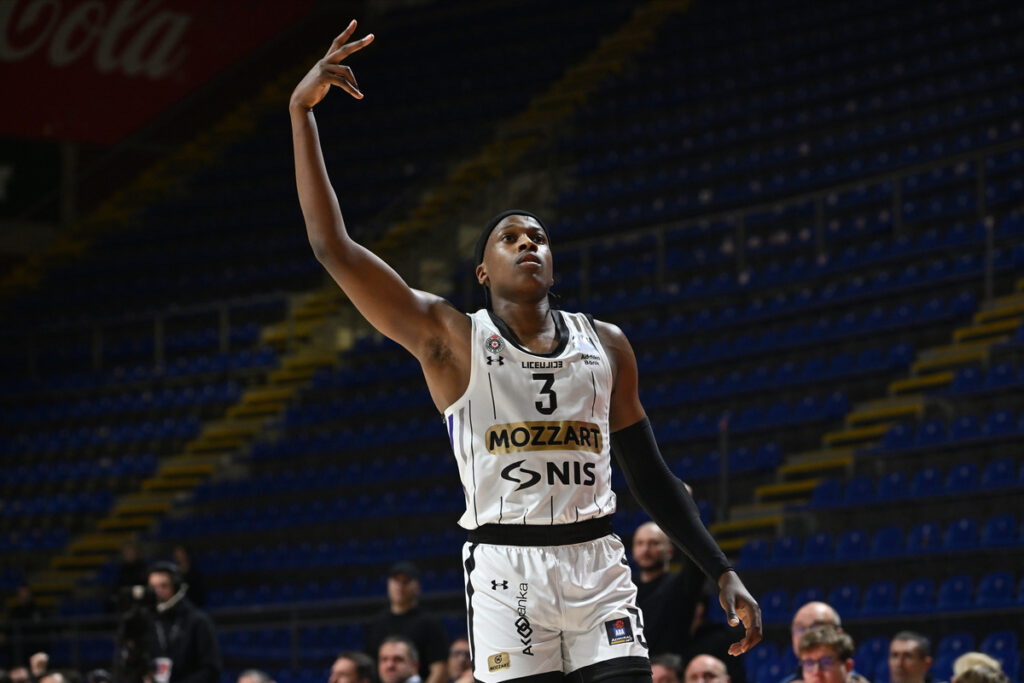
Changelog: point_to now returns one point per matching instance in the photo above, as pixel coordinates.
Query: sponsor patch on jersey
(498, 661)
(619, 631)
(561, 435)
(494, 344)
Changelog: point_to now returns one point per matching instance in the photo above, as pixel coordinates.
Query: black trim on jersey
(547, 677)
(490, 384)
(620, 669)
(593, 383)
(470, 565)
(469, 409)
(507, 333)
(537, 534)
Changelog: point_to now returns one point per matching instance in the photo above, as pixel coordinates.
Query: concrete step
(954, 355)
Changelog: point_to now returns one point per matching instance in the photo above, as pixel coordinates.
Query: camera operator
(183, 641)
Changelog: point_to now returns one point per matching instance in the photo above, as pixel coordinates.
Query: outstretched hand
(330, 71)
(740, 606)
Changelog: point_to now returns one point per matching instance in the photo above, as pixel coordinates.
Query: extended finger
(347, 49)
(342, 37)
(344, 73)
(752, 621)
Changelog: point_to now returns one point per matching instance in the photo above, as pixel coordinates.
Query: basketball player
(533, 399)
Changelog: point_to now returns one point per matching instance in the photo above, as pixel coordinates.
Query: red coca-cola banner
(95, 70)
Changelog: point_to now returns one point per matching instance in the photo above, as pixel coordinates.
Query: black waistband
(541, 534)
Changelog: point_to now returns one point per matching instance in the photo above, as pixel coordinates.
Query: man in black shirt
(405, 617)
(666, 599)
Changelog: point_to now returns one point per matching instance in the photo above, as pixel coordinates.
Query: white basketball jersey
(531, 432)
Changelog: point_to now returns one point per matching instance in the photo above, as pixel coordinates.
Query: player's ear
(481, 274)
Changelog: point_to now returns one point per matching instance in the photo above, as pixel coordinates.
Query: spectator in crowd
(191, 575)
(667, 668)
(826, 656)
(969, 660)
(808, 616)
(133, 568)
(981, 673)
(706, 669)
(910, 658)
(19, 674)
(398, 661)
(708, 638)
(405, 617)
(459, 660)
(181, 632)
(352, 667)
(253, 675)
(667, 599)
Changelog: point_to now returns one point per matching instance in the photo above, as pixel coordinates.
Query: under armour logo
(491, 360)
(495, 584)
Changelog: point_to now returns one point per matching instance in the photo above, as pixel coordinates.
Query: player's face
(906, 663)
(517, 255)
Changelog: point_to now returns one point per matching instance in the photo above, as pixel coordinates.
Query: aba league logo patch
(494, 344)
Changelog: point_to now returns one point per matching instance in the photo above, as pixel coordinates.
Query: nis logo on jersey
(561, 435)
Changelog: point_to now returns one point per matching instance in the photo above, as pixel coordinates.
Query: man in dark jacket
(183, 640)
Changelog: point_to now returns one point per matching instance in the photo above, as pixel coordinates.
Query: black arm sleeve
(664, 497)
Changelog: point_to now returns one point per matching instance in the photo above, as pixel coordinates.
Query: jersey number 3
(546, 390)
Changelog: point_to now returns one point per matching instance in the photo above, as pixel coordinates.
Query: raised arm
(665, 498)
(419, 321)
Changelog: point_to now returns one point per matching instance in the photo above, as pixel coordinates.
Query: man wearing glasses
(826, 656)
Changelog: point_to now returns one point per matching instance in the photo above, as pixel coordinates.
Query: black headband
(481, 243)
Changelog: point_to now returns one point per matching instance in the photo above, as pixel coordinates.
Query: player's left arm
(662, 494)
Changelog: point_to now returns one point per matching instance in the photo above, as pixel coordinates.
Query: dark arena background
(806, 216)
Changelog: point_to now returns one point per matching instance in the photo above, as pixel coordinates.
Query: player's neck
(532, 322)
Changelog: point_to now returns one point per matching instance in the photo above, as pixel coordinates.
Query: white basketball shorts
(540, 609)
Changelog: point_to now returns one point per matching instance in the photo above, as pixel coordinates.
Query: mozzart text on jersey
(521, 437)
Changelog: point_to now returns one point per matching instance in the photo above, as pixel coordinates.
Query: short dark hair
(670, 661)
(414, 654)
(365, 668)
(827, 636)
(924, 646)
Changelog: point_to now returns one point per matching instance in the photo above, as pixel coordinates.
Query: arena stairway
(867, 422)
(312, 332)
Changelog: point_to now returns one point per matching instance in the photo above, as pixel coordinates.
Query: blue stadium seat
(845, 599)
(1000, 644)
(879, 599)
(917, 596)
(859, 491)
(852, 546)
(775, 607)
(818, 548)
(999, 473)
(887, 542)
(893, 487)
(925, 538)
(961, 535)
(999, 532)
(962, 478)
(926, 483)
(996, 590)
(956, 644)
